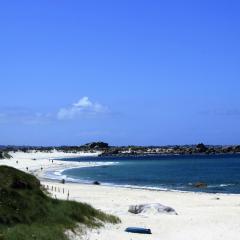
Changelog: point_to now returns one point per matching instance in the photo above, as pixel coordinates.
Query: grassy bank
(5, 155)
(27, 213)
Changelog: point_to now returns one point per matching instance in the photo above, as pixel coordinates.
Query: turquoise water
(220, 172)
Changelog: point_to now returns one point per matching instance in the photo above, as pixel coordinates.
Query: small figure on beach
(27, 168)
(68, 195)
(17, 162)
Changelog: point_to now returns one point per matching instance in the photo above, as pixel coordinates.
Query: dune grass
(27, 213)
(5, 155)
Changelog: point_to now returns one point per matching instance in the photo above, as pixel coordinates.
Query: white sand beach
(200, 215)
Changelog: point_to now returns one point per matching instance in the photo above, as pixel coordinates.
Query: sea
(221, 173)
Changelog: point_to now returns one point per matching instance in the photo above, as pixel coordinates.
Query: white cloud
(84, 107)
(83, 102)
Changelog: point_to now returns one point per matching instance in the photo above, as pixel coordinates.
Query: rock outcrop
(153, 208)
(200, 185)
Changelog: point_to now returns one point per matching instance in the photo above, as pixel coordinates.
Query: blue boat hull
(138, 230)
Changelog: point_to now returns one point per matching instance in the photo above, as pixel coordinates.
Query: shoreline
(50, 175)
(133, 187)
(37, 160)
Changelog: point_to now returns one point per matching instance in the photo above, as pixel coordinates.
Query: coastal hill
(104, 149)
(27, 212)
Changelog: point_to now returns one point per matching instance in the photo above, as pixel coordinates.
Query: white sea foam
(58, 174)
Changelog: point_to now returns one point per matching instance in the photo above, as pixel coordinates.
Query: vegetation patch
(27, 213)
(5, 155)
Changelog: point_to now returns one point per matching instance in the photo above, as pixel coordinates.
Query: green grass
(5, 155)
(27, 213)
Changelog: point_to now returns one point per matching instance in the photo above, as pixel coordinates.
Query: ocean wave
(222, 185)
(58, 174)
(216, 185)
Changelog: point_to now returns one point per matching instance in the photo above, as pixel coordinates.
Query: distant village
(106, 150)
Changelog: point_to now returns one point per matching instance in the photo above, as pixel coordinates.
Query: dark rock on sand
(96, 183)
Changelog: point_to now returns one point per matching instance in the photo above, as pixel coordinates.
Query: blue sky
(125, 72)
